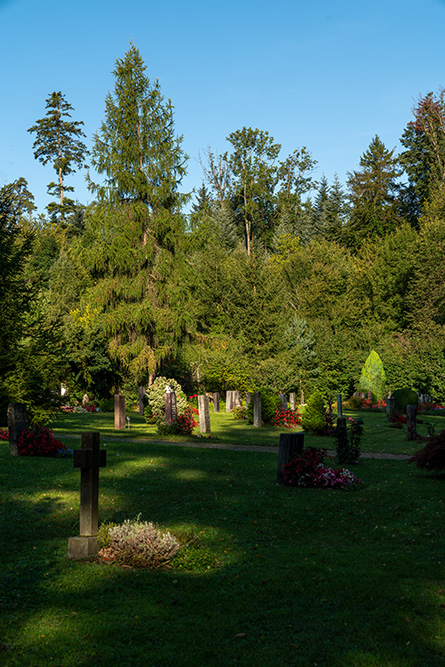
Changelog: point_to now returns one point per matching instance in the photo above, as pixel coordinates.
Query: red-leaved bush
(432, 456)
(39, 441)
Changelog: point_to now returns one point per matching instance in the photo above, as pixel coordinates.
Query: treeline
(272, 280)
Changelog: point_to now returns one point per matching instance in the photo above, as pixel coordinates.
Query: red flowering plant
(308, 470)
(286, 418)
(40, 441)
(186, 423)
(4, 434)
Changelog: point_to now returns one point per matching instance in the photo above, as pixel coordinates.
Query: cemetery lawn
(284, 576)
(378, 436)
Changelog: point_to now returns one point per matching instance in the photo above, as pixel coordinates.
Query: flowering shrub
(138, 544)
(4, 434)
(156, 398)
(183, 425)
(39, 441)
(286, 418)
(239, 412)
(366, 404)
(308, 470)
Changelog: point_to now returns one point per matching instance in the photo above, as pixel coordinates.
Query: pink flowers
(286, 418)
(39, 441)
(308, 470)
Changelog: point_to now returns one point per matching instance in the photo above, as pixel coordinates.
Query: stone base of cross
(89, 459)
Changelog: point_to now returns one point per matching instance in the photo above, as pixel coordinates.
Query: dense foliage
(272, 280)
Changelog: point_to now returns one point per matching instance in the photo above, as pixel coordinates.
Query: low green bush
(403, 398)
(270, 402)
(313, 418)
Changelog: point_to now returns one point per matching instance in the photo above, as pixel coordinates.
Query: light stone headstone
(119, 412)
(237, 400)
(141, 393)
(257, 415)
(216, 402)
(229, 401)
(89, 459)
(293, 400)
(17, 423)
(248, 398)
(204, 414)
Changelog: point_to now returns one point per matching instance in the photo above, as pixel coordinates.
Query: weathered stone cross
(89, 459)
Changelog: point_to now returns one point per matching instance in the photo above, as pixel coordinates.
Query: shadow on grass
(306, 576)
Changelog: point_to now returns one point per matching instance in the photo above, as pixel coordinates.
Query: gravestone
(204, 414)
(216, 402)
(411, 422)
(229, 401)
(237, 400)
(390, 408)
(85, 399)
(17, 422)
(257, 416)
(89, 459)
(339, 406)
(293, 400)
(119, 412)
(248, 398)
(302, 398)
(283, 399)
(170, 407)
(141, 393)
(291, 444)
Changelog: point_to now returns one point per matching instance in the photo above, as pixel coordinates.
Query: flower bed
(40, 441)
(286, 418)
(308, 470)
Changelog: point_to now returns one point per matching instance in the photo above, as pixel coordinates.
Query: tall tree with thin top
(58, 140)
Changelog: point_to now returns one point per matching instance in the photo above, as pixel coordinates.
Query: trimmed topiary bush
(373, 377)
(313, 418)
(403, 398)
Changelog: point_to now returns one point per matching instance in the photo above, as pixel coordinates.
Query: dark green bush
(403, 398)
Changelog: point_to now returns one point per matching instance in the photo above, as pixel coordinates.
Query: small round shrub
(106, 405)
(403, 398)
(39, 441)
(313, 418)
(239, 412)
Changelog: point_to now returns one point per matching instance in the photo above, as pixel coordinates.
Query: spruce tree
(135, 230)
(58, 141)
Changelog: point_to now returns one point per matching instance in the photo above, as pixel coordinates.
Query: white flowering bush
(138, 544)
(156, 398)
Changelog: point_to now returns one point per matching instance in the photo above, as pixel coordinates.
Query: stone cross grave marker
(17, 422)
(291, 444)
(89, 459)
(119, 412)
(204, 414)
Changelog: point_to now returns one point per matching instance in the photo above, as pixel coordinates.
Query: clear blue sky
(325, 75)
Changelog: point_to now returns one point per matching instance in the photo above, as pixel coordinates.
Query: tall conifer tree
(134, 231)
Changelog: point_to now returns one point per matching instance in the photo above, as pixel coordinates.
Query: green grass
(305, 577)
(378, 437)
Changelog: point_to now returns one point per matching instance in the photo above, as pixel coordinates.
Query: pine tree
(133, 234)
(373, 190)
(58, 140)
